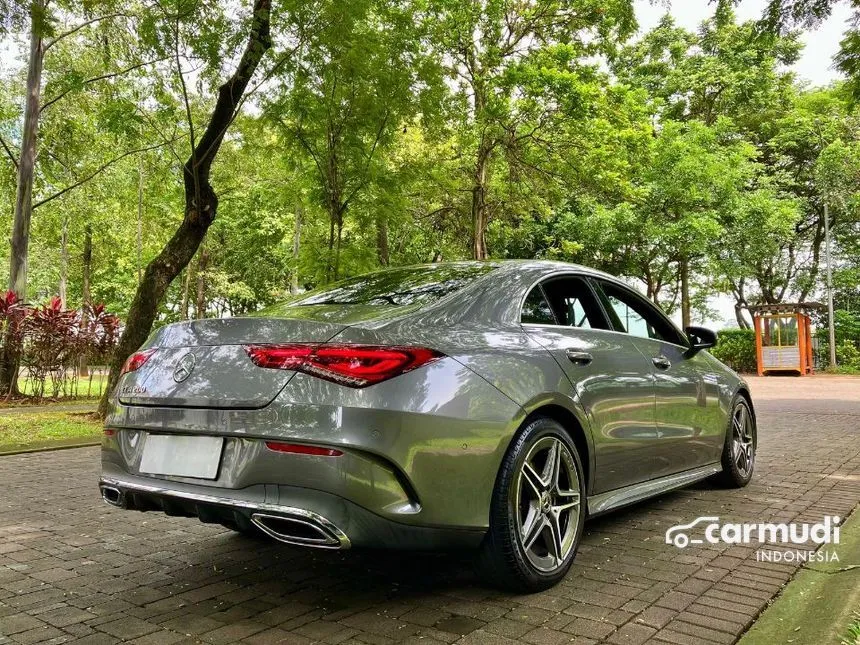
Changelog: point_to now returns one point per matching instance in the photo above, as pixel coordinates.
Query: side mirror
(700, 338)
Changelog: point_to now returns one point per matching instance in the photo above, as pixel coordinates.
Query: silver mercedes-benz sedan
(494, 405)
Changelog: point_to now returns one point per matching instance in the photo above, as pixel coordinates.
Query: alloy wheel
(743, 443)
(547, 504)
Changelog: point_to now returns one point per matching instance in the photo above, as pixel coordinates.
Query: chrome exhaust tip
(113, 496)
(306, 529)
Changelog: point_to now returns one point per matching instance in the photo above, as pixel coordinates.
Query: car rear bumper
(290, 514)
(421, 449)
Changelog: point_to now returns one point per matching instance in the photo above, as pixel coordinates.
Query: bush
(736, 348)
(846, 326)
(50, 342)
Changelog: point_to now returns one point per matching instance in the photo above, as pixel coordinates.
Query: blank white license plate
(181, 455)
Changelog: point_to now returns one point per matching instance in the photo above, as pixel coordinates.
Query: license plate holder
(181, 456)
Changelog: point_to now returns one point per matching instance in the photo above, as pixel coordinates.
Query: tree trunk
(64, 263)
(24, 190)
(200, 302)
(139, 219)
(27, 160)
(337, 247)
(186, 286)
(740, 304)
(684, 268)
(201, 202)
(329, 260)
(817, 241)
(297, 236)
(382, 250)
(87, 263)
(480, 215)
(739, 316)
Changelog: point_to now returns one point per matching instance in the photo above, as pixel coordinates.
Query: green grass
(83, 387)
(852, 634)
(842, 369)
(21, 430)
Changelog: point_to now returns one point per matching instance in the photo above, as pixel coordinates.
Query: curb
(21, 451)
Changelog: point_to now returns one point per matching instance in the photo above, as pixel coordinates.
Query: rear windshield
(398, 287)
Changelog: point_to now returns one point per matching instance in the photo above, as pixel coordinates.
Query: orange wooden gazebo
(783, 339)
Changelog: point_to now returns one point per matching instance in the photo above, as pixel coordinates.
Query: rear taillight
(350, 365)
(136, 361)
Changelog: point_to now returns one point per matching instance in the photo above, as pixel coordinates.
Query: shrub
(736, 348)
(846, 326)
(50, 346)
(49, 342)
(847, 355)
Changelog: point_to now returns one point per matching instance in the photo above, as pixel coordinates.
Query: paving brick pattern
(73, 569)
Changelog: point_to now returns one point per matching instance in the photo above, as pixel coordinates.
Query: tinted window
(631, 314)
(536, 309)
(573, 303)
(398, 287)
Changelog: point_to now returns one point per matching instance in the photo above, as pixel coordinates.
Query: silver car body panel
(619, 498)
(422, 450)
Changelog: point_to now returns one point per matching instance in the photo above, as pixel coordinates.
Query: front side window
(632, 315)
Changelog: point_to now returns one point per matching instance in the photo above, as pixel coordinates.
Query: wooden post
(758, 350)
(801, 344)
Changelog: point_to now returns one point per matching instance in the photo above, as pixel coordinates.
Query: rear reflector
(136, 361)
(350, 365)
(109, 432)
(299, 449)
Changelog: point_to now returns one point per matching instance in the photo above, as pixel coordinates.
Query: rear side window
(398, 287)
(536, 309)
(565, 301)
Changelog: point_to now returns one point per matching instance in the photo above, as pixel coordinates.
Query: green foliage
(736, 348)
(848, 355)
(846, 326)
(398, 133)
(852, 632)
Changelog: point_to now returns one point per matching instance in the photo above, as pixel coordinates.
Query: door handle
(580, 358)
(661, 362)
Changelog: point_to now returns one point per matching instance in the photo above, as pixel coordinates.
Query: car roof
(496, 297)
(537, 266)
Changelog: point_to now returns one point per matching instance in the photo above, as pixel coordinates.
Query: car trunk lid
(203, 364)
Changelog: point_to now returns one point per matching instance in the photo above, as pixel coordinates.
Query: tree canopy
(377, 133)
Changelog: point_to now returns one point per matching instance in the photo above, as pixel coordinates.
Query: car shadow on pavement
(357, 575)
(367, 571)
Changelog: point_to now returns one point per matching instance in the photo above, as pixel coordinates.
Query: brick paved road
(73, 568)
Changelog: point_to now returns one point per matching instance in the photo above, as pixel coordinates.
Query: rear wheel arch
(575, 429)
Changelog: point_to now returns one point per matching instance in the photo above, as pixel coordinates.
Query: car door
(689, 430)
(612, 380)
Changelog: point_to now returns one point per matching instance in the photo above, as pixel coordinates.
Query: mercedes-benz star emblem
(184, 368)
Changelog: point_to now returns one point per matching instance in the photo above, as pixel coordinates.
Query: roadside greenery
(22, 429)
(54, 346)
(852, 634)
(370, 134)
(736, 348)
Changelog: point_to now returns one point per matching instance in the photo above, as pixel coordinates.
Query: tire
(536, 513)
(739, 448)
